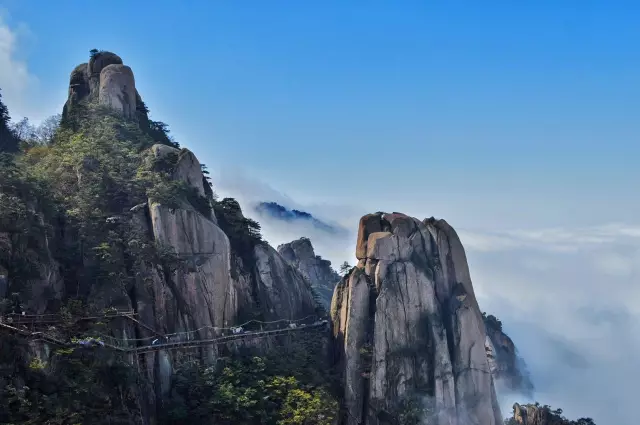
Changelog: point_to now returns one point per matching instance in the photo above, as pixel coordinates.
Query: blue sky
(531, 98)
(515, 121)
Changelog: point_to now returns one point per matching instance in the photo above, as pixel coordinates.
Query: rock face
(410, 337)
(508, 369)
(107, 79)
(314, 268)
(45, 281)
(118, 89)
(211, 290)
(282, 291)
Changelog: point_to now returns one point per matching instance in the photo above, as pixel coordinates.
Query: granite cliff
(314, 268)
(135, 226)
(409, 335)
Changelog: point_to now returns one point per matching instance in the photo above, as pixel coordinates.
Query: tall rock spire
(410, 335)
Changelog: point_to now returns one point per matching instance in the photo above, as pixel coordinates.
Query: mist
(568, 297)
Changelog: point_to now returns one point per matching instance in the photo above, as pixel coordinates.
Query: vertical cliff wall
(410, 337)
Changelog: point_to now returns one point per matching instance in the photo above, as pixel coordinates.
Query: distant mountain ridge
(280, 212)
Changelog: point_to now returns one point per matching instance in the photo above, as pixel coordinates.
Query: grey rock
(407, 325)
(118, 89)
(315, 269)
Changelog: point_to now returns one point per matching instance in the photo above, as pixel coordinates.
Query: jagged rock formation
(317, 270)
(508, 369)
(408, 330)
(107, 79)
(535, 414)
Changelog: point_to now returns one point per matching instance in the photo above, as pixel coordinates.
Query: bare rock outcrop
(282, 291)
(203, 287)
(508, 368)
(314, 268)
(44, 280)
(410, 337)
(106, 79)
(118, 89)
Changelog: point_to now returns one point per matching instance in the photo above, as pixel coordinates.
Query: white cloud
(20, 87)
(569, 298)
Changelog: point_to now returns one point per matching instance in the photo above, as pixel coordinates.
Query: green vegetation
(292, 384)
(85, 388)
(248, 390)
(550, 416)
(8, 140)
(71, 190)
(492, 321)
(345, 268)
(244, 233)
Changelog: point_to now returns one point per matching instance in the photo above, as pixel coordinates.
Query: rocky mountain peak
(314, 268)
(409, 333)
(107, 79)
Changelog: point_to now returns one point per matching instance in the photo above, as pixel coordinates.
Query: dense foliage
(492, 321)
(290, 385)
(243, 232)
(8, 140)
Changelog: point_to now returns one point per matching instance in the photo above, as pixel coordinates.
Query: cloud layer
(568, 297)
(570, 300)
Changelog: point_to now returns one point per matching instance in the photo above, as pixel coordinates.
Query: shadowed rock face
(314, 268)
(508, 369)
(407, 327)
(107, 79)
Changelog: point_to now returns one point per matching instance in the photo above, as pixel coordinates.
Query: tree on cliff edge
(8, 140)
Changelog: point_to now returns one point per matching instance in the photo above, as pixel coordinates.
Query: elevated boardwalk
(147, 345)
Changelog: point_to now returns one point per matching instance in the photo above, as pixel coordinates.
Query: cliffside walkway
(182, 340)
(52, 319)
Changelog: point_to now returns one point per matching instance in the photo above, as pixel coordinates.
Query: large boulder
(97, 63)
(409, 334)
(118, 89)
(106, 79)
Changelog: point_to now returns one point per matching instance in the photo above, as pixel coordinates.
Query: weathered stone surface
(315, 269)
(350, 313)
(108, 80)
(419, 317)
(96, 64)
(368, 224)
(118, 89)
(205, 285)
(282, 290)
(188, 167)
